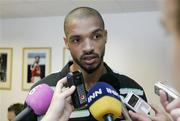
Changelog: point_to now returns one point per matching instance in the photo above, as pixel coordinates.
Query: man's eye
(97, 36)
(76, 40)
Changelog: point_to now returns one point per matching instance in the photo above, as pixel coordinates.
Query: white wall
(0, 29)
(139, 48)
(136, 47)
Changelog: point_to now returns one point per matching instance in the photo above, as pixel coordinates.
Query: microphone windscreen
(39, 98)
(102, 100)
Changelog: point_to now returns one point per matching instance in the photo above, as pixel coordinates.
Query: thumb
(68, 92)
(163, 99)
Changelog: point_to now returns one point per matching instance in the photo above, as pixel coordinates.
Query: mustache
(89, 55)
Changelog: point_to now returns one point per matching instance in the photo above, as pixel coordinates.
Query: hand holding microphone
(60, 108)
(104, 102)
(41, 98)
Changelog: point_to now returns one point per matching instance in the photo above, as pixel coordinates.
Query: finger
(63, 80)
(67, 112)
(138, 116)
(160, 117)
(68, 99)
(156, 108)
(60, 84)
(133, 115)
(174, 104)
(153, 118)
(68, 107)
(68, 92)
(163, 98)
(175, 113)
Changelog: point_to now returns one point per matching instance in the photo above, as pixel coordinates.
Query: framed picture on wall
(66, 56)
(5, 68)
(36, 65)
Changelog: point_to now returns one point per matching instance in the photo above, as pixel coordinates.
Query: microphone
(38, 101)
(104, 102)
(111, 79)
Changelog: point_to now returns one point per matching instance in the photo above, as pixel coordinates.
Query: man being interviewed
(86, 37)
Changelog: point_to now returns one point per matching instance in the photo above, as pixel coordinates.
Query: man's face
(11, 115)
(86, 40)
(37, 59)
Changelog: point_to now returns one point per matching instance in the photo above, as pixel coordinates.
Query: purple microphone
(38, 101)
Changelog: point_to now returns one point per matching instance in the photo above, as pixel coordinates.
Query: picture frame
(66, 56)
(6, 56)
(36, 65)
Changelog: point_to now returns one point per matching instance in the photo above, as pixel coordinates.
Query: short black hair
(16, 108)
(37, 56)
(82, 12)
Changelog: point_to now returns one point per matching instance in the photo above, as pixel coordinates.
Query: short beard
(90, 70)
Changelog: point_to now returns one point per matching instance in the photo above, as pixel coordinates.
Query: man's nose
(88, 46)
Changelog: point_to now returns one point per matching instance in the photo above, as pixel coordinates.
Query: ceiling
(44, 8)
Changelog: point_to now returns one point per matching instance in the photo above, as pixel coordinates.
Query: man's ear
(66, 42)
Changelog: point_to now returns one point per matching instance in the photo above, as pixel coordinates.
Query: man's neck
(74, 67)
(91, 79)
